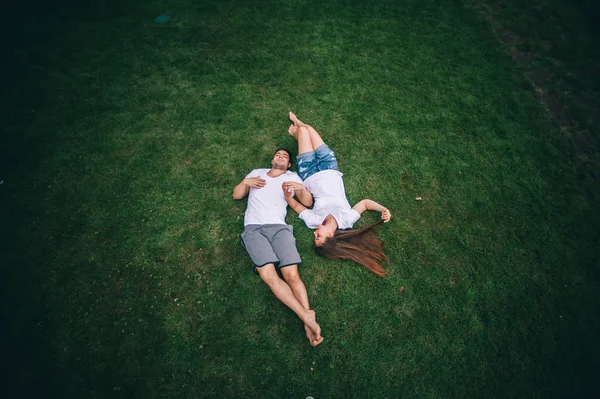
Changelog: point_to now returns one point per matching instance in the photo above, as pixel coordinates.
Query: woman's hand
(287, 192)
(293, 186)
(386, 215)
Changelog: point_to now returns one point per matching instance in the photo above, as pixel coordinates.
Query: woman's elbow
(306, 202)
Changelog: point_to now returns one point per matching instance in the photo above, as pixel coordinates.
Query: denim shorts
(309, 163)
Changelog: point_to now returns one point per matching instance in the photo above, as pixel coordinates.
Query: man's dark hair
(288, 152)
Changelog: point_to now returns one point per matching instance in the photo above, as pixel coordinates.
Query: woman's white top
(327, 188)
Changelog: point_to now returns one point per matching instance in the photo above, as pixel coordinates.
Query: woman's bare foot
(310, 320)
(293, 131)
(293, 118)
(297, 122)
(311, 336)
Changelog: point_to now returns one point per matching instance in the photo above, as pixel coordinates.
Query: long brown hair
(361, 246)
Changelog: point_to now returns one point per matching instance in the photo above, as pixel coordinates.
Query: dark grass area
(123, 272)
(552, 42)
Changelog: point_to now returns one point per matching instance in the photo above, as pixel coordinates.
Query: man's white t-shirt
(327, 188)
(267, 205)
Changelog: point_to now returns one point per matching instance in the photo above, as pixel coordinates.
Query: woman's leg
(302, 136)
(315, 139)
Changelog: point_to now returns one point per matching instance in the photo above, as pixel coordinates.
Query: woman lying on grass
(331, 213)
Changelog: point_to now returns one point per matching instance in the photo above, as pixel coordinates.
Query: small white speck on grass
(419, 198)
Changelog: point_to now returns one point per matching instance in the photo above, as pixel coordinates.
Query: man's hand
(386, 215)
(242, 189)
(255, 182)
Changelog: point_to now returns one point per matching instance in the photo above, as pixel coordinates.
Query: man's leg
(292, 277)
(284, 293)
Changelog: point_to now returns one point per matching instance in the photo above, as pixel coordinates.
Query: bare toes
(311, 322)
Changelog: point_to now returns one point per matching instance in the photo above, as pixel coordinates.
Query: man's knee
(267, 273)
(290, 275)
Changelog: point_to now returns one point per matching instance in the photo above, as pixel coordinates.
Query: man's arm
(242, 189)
(369, 205)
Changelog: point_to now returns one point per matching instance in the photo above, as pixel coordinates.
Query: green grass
(123, 272)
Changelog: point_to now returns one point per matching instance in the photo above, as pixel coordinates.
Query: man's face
(281, 160)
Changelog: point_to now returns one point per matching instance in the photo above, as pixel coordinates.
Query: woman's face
(322, 233)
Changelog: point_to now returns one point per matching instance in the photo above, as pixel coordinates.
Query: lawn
(122, 139)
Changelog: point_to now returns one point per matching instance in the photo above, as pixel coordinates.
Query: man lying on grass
(270, 242)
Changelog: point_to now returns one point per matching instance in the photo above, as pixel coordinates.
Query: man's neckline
(274, 177)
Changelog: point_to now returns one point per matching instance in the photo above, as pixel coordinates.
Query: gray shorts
(270, 243)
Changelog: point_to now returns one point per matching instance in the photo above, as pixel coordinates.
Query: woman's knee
(303, 130)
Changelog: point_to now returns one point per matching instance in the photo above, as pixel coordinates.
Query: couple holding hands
(270, 241)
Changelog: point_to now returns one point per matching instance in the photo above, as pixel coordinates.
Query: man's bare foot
(293, 131)
(311, 336)
(310, 319)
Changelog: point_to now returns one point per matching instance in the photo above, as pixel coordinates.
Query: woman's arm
(370, 205)
(295, 205)
(302, 193)
(305, 197)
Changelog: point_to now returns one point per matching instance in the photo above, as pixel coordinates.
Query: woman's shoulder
(346, 217)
